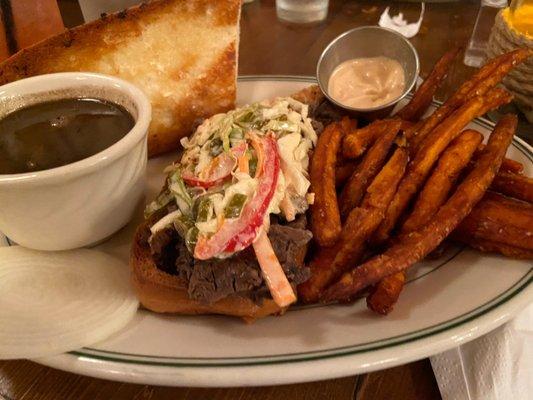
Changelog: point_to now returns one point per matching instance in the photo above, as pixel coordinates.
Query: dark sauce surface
(55, 133)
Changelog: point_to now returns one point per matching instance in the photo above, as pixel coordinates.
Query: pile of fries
(388, 194)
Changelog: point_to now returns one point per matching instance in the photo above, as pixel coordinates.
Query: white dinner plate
(446, 302)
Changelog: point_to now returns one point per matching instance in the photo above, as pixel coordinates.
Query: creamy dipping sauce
(55, 133)
(367, 82)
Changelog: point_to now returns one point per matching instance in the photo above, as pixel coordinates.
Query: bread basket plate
(447, 302)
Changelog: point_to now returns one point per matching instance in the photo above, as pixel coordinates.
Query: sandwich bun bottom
(161, 292)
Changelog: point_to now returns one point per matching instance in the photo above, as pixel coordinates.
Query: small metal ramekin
(368, 41)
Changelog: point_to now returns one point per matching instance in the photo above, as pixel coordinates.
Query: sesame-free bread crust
(181, 53)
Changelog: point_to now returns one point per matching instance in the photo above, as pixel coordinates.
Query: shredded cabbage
(164, 198)
(165, 221)
(286, 118)
(292, 166)
(246, 185)
(178, 189)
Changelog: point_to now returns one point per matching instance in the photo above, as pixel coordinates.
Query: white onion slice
(51, 303)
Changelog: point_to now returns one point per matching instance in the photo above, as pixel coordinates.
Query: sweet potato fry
(325, 216)
(488, 246)
(356, 142)
(413, 247)
(386, 293)
(490, 74)
(499, 224)
(435, 192)
(381, 191)
(492, 100)
(513, 185)
(348, 125)
(495, 98)
(343, 172)
(499, 219)
(481, 82)
(513, 166)
(423, 97)
(508, 165)
(487, 81)
(509, 202)
(331, 263)
(406, 125)
(409, 129)
(454, 159)
(420, 167)
(355, 188)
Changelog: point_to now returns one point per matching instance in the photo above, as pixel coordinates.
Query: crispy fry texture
(413, 247)
(435, 192)
(348, 125)
(499, 219)
(343, 172)
(331, 263)
(429, 152)
(492, 100)
(386, 293)
(514, 185)
(358, 141)
(380, 193)
(373, 161)
(454, 159)
(481, 83)
(325, 216)
(508, 165)
(420, 167)
(513, 166)
(423, 97)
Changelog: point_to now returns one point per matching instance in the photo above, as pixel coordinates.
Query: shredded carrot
(278, 284)
(243, 163)
(259, 151)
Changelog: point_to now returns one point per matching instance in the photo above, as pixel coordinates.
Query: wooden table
(270, 47)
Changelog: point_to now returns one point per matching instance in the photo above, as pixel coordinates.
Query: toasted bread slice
(181, 53)
(165, 293)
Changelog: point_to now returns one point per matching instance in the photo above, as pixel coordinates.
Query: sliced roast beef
(290, 245)
(163, 243)
(326, 113)
(212, 280)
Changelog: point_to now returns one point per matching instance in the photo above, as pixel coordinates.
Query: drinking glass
(475, 53)
(302, 11)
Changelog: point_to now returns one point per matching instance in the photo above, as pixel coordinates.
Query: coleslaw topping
(236, 170)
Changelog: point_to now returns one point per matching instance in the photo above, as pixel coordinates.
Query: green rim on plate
(161, 361)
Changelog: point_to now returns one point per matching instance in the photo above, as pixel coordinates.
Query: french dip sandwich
(228, 233)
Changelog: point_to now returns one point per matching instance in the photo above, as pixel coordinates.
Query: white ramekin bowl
(82, 203)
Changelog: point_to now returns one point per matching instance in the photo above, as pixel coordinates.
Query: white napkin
(497, 366)
(399, 24)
